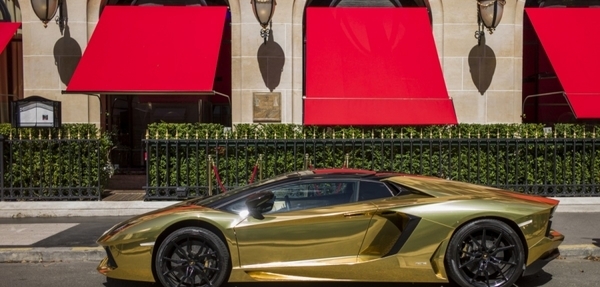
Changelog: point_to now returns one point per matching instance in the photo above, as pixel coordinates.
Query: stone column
(483, 80)
(50, 56)
(258, 67)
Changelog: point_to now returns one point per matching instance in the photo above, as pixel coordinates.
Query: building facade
(486, 80)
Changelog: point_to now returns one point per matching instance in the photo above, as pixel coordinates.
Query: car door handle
(354, 214)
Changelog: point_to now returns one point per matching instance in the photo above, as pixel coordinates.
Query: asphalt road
(578, 228)
(559, 273)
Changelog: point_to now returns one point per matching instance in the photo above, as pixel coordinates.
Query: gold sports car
(339, 224)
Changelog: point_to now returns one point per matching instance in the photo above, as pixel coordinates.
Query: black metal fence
(50, 169)
(73, 169)
(553, 166)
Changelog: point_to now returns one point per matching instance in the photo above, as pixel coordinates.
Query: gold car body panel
(362, 241)
(133, 242)
(304, 235)
(331, 244)
(388, 269)
(136, 265)
(456, 203)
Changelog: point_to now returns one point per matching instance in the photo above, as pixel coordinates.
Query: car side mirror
(259, 203)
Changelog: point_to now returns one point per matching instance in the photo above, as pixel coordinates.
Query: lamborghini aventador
(339, 224)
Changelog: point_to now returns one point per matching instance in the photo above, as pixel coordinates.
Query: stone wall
(483, 80)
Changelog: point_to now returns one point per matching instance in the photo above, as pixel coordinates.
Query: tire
(192, 256)
(485, 253)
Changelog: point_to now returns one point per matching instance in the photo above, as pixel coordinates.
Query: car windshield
(207, 201)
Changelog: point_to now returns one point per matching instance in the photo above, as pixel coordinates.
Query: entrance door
(129, 117)
(127, 122)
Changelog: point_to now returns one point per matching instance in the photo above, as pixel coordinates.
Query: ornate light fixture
(489, 14)
(264, 10)
(46, 9)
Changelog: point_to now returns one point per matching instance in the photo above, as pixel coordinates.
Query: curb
(78, 208)
(53, 254)
(579, 250)
(57, 254)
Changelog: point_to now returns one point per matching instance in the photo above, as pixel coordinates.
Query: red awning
(572, 47)
(7, 31)
(373, 66)
(151, 50)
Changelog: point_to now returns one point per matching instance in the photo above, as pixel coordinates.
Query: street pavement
(559, 273)
(67, 231)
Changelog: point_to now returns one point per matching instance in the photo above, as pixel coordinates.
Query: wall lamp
(264, 10)
(46, 9)
(489, 14)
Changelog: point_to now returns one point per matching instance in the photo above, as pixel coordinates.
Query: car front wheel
(192, 256)
(485, 252)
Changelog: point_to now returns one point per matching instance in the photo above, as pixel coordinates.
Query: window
(305, 195)
(313, 195)
(370, 190)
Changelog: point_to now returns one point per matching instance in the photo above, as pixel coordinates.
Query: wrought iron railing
(36, 168)
(548, 166)
(72, 168)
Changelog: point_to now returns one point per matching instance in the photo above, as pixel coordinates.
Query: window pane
(370, 190)
(304, 195)
(312, 195)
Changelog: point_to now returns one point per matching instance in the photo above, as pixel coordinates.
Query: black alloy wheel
(485, 253)
(191, 257)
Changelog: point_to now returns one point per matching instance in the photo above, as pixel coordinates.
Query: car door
(310, 221)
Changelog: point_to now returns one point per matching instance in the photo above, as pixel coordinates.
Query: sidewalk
(73, 227)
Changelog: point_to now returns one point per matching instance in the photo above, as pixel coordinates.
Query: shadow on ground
(539, 279)
(124, 283)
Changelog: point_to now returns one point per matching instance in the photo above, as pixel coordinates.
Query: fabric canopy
(572, 48)
(7, 31)
(373, 66)
(151, 50)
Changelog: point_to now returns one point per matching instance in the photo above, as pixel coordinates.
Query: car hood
(442, 188)
(178, 208)
(185, 206)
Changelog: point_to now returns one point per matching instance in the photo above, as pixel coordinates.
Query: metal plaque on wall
(267, 107)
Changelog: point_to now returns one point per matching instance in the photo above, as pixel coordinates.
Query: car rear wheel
(192, 256)
(486, 253)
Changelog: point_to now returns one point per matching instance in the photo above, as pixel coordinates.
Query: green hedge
(50, 163)
(518, 156)
(72, 161)
(291, 131)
